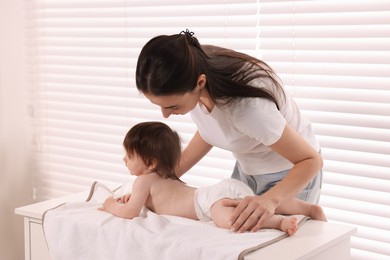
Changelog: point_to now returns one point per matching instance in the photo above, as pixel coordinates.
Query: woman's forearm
(193, 153)
(296, 180)
(306, 164)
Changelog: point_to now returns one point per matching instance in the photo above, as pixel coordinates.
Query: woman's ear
(201, 81)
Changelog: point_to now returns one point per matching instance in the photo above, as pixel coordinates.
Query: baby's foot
(289, 225)
(317, 213)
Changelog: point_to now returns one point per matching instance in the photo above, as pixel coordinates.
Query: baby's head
(155, 142)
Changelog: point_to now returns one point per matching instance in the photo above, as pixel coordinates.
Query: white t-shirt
(248, 126)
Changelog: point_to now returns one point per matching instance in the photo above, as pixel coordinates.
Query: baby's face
(135, 164)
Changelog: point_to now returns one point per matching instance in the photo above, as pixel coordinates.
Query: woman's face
(176, 104)
(179, 104)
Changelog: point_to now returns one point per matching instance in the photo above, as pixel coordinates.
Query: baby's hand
(124, 198)
(107, 204)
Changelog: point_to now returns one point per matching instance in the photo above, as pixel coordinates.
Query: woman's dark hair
(169, 65)
(155, 141)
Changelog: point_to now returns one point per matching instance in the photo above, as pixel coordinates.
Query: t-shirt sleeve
(260, 119)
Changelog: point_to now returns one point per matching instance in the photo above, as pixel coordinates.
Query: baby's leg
(296, 206)
(220, 214)
(287, 224)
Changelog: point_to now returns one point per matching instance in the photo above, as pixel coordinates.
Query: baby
(153, 152)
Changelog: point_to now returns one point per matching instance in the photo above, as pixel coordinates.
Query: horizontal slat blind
(334, 58)
(82, 57)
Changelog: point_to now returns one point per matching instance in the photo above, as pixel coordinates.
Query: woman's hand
(251, 213)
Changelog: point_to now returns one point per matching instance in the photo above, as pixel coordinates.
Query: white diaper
(206, 196)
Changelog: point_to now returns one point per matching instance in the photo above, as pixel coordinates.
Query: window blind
(334, 58)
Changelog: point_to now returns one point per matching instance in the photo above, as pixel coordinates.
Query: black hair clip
(189, 37)
(187, 33)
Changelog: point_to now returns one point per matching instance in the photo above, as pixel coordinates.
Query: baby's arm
(124, 199)
(133, 206)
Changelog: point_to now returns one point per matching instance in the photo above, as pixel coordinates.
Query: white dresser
(315, 240)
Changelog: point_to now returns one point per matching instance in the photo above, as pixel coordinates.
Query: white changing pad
(80, 231)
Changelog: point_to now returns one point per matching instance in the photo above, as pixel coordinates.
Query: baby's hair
(155, 142)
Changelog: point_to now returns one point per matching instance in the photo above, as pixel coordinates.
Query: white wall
(15, 181)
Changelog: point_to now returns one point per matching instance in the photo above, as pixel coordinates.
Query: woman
(238, 104)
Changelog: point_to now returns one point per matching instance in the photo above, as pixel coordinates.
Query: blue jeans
(262, 183)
